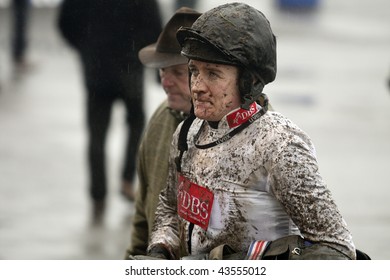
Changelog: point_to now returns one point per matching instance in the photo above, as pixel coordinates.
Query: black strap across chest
(182, 141)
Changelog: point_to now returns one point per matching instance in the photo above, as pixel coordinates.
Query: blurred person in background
(108, 34)
(388, 81)
(19, 32)
(155, 144)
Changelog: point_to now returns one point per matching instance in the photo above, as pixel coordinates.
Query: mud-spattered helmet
(234, 34)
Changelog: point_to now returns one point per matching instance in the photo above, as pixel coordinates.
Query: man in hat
(152, 164)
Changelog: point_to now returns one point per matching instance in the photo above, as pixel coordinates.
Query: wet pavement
(333, 65)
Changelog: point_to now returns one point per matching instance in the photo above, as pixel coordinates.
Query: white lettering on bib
(194, 202)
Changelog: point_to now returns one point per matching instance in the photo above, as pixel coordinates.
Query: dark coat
(107, 34)
(109, 28)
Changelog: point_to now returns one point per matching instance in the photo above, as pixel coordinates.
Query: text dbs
(194, 202)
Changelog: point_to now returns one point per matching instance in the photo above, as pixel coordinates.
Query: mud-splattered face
(214, 89)
(174, 80)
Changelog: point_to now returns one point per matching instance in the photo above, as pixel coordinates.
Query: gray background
(333, 66)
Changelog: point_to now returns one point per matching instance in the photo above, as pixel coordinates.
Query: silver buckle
(296, 251)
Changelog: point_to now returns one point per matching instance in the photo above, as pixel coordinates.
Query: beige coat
(152, 168)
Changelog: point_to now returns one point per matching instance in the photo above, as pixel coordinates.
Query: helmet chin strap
(251, 94)
(256, 95)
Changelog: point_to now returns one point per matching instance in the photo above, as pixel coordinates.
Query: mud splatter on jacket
(266, 185)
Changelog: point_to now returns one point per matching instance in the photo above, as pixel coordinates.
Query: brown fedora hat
(166, 51)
